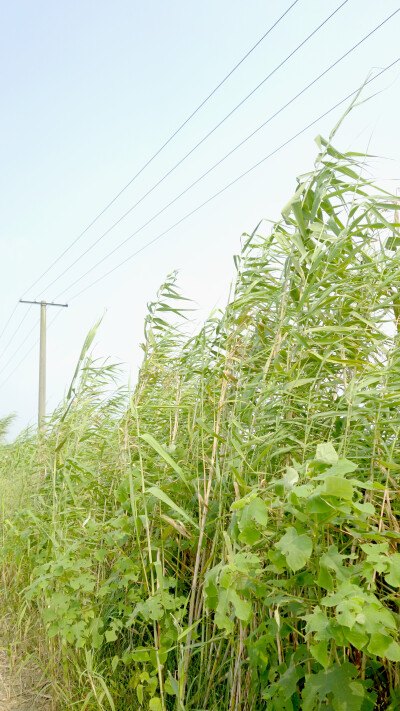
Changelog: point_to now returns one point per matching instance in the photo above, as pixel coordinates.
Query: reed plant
(225, 534)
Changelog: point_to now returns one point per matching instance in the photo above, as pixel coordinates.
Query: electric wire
(15, 332)
(227, 155)
(233, 182)
(164, 145)
(197, 145)
(25, 356)
(191, 151)
(199, 207)
(175, 133)
(9, 319)
(12, 357)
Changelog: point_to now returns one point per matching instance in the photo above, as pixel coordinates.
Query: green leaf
(257, 509)
(318, 623)
(291, 477)
(111, 636)
(343, 466)
(384, 646)
(164, 454)
(296, 549)
(171, 685)
(336, 684)
(336, 486)
(324, 579)
(139, 693)
(393, 577)
(326, 454)
(333, 560)
(242, 607)
(162, 496)
(155, 704)
(320, 652)
(298, 383)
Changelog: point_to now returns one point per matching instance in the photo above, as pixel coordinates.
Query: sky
(92, 89)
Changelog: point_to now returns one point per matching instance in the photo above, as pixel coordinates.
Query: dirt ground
(20, 687)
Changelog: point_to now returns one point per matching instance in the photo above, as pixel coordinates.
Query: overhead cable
(226, 187)
(233, 182)
(198, 144)
(164, 145)
(219, 162)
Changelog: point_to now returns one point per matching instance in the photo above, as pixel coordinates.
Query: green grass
(225, 535)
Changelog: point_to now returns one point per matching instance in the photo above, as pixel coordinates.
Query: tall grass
(225, 535)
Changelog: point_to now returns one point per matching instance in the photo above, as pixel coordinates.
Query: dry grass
(22, 686)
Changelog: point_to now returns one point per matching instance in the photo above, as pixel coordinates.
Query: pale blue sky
(91, 89)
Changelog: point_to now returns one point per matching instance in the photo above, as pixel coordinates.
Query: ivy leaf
(339, 487)
(139, 692)
(343, 466)
(337, 685)
(155, 704)
(296, 549)
(210, 588)
(325, 579)
(319, 623)
(242, 607)
(384, 646)
(393, 577)
(257, 509)
(320, 652)
(333, 560)
(291, 477)
(111, 636)
(326, 453)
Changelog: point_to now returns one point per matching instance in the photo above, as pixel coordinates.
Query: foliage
(226, 535)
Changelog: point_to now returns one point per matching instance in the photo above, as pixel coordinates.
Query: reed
(225, 535)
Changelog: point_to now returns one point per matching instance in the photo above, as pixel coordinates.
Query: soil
(20, 688)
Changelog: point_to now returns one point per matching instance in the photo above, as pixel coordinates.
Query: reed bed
(225, 535)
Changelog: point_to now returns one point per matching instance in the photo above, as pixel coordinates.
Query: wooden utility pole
(42, 357)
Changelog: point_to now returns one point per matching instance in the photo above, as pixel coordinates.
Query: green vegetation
(225, 536)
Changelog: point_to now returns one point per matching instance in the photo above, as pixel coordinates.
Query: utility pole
(42, 357)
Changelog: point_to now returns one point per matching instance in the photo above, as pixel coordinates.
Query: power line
(264, 36)
(227, 155)
(164, 145)
(24, 357)
(9, 319)
(14, 333)
(249, 170)
(192, 150)
(12, 356)
(199, 207)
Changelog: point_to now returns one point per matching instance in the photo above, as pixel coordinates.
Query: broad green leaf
(296, 548)
(336, 682)
(393, 577)
(326, 454)
(257, 509)
(324, 579)
(298, 383)
(290, 477)
(242, 607)
(384, 646)
(343, 466)
(318, 623)
(320, 652)
(339, 487)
